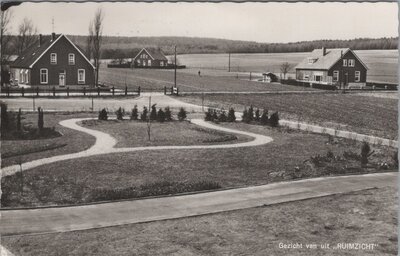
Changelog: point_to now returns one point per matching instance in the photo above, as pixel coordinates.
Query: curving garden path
(105, 145)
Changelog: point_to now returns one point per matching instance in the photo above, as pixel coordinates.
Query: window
(71, 59)
(306, 77)
(149, 63)
(351, 62)
(81, 76)
(335, 76)
(26, 76)
(344, 63)
(44, 74)
(161, 63)
(357, 76)
(53, 58)
(21, 76)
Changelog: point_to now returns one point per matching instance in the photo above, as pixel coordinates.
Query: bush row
(160, 115)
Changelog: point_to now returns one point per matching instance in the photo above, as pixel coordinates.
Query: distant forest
(126, 47)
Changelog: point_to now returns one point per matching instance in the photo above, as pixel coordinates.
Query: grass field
(74, 181)
(348, 218)
(28, 150)
(153, 79)
(368, 115)
(382, 64)
(134, 133)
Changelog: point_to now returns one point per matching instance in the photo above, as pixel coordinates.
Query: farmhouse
(150, 58)
(53, 61)
(340, 67)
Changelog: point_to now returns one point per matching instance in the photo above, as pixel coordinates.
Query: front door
(61, 79)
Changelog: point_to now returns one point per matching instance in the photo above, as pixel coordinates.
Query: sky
(261, 22)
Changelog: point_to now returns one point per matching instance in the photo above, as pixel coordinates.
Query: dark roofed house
(150, 58)
(53, 61)
(340, 67)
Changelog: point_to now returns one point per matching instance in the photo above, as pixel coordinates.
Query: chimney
(323, 51)
(40, 40)
(53, 36)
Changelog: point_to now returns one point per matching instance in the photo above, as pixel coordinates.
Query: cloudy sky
(262, 22)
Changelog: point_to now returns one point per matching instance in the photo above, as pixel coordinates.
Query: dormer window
(311, 60)
(71, 59)
(53, 58)
(351, 62)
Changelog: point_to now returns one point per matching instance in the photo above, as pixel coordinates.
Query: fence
(370, 85)
(82, 92)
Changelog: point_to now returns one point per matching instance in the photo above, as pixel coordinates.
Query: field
(351, 218)
(363, 114)
(382, 64)
(79, 180)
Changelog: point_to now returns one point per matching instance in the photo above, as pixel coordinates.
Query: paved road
(105, 145)
(45, 220)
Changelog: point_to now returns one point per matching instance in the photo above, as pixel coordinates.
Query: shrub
(153, 112)
(168, 114)
(103, 115)
(120, 114)
(245, 116)
(395, 158)
(264, 117)
(161, 115)
(215, 116)
(208, 115)
(231, 115)
(257, 115)
(143, 116)
(250, 114)
(4, 117)
(135, 114)
(40, 119)
(182, 114)
(274, 120)
(365, 153)
(19, 120)
(222, 117)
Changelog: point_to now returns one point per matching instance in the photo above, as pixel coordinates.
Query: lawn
(16, 151)
(175, 133)
(363, 114)
(287, 157)
(368, 216)
(153, 79)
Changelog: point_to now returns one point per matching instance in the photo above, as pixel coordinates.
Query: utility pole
(229, 62)
(1, 50)
(175, 68)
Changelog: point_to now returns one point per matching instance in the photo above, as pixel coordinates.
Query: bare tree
(285, 68)
(26, 35)
(5, 18)
(89, 41)
(96, 36)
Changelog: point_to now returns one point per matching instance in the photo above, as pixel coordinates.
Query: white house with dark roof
(340, 66)
(150, 58)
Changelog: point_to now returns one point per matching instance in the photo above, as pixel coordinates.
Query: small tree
(103, 115)
(135, 114)
(168, 114)
(365, 153)
(231, 115)
(264, 117)
(250, 114)
(40, 119)
(143, 116)
(153, 112)
(120, 114)
(4, 117)
(222, 117)
(257, 115)
(182, 114)
(285, 68)
(274, 120)
(209, 115)
(245, 116)
(161, 115)
(19, 120)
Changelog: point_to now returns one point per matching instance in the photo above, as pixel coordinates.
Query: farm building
(340, 67)
(269, 77)
(53, 61)
(150, 58)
